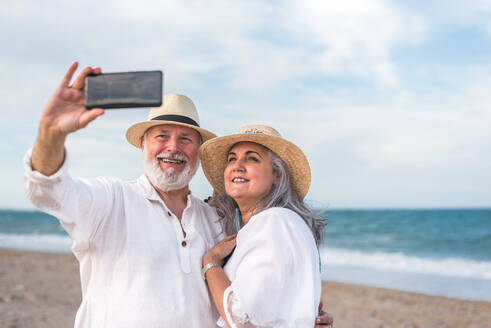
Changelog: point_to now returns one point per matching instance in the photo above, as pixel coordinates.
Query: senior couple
(153, 255)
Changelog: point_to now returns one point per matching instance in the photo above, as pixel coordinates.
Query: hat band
(176, 118)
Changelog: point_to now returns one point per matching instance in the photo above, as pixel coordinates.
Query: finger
(89, 116)
(230, 243)
(69, 74)
(320, 307)
(79, 82)
(227, 238)
(324, 319)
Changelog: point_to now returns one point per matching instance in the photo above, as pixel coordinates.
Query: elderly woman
(272, 278)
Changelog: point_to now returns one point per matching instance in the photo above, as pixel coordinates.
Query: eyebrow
(183, 134)
(247, 153)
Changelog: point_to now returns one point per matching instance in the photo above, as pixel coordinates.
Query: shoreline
(40, 289)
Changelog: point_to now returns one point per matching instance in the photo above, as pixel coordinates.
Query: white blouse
(274, 272)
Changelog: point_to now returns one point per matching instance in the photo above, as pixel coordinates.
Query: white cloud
(356, 36)
(255, 45)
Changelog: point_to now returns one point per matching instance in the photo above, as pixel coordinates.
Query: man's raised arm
(64, 113)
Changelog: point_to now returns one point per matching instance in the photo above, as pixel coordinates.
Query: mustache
(174, 156)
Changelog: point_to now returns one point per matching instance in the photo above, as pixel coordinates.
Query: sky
(389, 100)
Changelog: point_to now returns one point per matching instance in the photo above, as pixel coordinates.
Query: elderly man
(139, 243)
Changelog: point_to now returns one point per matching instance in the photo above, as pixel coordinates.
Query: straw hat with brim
(214, 156)
(175, 109)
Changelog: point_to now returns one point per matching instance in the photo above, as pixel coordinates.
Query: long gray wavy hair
(280, 195)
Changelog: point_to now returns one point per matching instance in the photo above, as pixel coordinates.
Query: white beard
(170, 179)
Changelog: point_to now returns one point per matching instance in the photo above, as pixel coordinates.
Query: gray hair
(280, 195)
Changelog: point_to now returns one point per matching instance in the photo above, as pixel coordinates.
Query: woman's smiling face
(249, 173)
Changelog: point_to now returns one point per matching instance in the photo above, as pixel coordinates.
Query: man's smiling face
(170, 155)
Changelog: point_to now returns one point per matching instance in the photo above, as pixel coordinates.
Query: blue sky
(389, 99)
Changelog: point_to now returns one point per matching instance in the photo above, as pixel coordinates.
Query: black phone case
(124, 90)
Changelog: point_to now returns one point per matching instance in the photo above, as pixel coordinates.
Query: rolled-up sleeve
(79, 204)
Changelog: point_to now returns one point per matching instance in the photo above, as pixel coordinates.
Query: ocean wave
(399, 262)
(454, 267)
(36, 242)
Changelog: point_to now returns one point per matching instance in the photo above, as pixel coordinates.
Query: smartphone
(124, 90)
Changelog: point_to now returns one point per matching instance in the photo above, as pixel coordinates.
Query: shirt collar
(147, 189)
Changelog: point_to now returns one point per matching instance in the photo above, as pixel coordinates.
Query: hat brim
(136, 131)
(214, 158)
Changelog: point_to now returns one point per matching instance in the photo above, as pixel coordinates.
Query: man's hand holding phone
(67, 109)
(64, 113)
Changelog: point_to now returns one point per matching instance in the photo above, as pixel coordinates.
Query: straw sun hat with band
(175, 109)
(214, 156)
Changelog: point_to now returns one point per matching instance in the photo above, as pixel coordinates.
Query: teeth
(239, 180)
(172, 161)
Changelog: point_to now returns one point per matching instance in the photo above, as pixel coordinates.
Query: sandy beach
(43, 290)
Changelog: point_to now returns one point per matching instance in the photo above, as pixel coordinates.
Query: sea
(444, 252)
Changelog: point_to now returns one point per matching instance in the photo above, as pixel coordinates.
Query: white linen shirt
(274, 271)
(136, 267)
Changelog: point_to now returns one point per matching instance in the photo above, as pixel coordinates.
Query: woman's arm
(215, 277)
(218, 282)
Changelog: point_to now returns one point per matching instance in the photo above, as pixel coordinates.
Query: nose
(171, 146)
(238, 165)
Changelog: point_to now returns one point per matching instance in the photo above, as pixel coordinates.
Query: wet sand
(43, 290)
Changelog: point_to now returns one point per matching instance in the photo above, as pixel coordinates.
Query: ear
(141, 142)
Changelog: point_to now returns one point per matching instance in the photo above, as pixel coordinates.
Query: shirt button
(184, 243)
